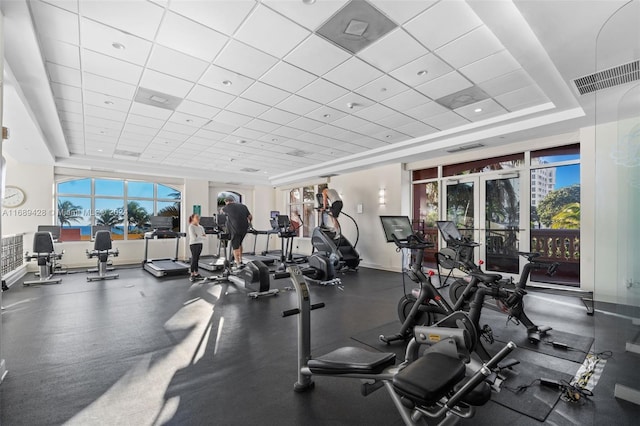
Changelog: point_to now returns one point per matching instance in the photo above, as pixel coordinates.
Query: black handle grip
(280, 275)
(551, 271)
(290, 312)
(317, 306)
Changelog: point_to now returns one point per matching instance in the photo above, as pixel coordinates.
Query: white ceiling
(290, 88)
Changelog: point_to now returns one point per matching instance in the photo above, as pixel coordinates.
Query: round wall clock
(13, 197)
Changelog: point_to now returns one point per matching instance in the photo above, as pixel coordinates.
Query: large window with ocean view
(123, 205)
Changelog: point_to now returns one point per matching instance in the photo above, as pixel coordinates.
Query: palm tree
(109, 217)
(137, 215)
(68, 212)
(567, 218)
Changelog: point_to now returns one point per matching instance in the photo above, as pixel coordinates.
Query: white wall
(3, 368)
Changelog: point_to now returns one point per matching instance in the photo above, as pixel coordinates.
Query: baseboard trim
(633, 348)
(380, 267)
(14, 276)
(626, 393)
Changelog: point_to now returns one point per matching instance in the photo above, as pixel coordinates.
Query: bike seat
(486, 278)
(529, 255)
(350, 360)
(429, 378)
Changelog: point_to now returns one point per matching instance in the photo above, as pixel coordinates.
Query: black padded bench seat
(429, 378)
(350, 360)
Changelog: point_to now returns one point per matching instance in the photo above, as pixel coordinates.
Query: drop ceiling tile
(126, 16)
(328, 131)
(246, 107)
(310, 16)
(176, 63)
(130, 133)
(393, 50)
(322, 91)
(298, 105)
(221, 15)
(197, 109)
(348, 136)
(150, 111)
(68, 106)
(287, 77)
(275, 115)
(370, 143)
(248, 133)
(394, 121)
(262, 125)
(164, 83)
(141, 120)
(316, 55)
(216, 76)
(350, 122)
(401, 11)
(304, 123)
(270, 32)
(382, 88)
(522, 98)
(473, 46)
(352, 74)
(406, 100)
(198, 141)
(481, 110)
(107, 86)
(442, 23)
(173, 138)
(71, 117)
(434, 66)
(101, 122)
(64, 75)
(211, 97)
(69, 125)
(180, 128)
(56, 23)
(287, 132)
(358, 102)
(109, 114)
(100, 38)
(390, 136)
(490, 67)
(61, 53)
(212, 135)
(189, 37)
(424, 111)
(219, 127)
(326, 114)
(507, 83)
(445, 85)
(246, 60)
(374, 112)
(232, 118)
(69, 5)
(416, 129)
(107, 66)
(370, 129)
(446, 120)
(188, 119)
(265, 94)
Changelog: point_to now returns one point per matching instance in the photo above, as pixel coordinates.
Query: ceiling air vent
(157, 99)
(465, 147)
(608, 78)
(249, 170)
(126, 153)
(297, 153)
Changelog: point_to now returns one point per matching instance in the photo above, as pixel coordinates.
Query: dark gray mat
(371, 338)
(536, 401)
(578, 345)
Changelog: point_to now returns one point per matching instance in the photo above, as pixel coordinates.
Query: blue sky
(567, 176)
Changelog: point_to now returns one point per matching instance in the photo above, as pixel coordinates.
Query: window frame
(288, 204)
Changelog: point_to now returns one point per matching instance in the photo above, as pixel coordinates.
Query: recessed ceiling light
(422, 72)
(383, 89)
(102, 132)
(352, 105)
(159, 99)
(108, 102)
(227, 82)
(274, 140)
(308, 1)
(388, 136)
(118, 46)
(166, 142)
(99, 150)
(327, 115)
(242, 141)
(188, 120)
(265, 172)
(232, 159)
(477, 110)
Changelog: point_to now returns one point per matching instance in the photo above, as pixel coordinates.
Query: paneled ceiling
(251, 88)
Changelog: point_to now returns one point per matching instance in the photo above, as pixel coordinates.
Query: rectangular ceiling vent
(297, 153)
(465, 147)
(126, 153)
(249, 170)
(330, 175)
(157, 99)
(463, 97)
(357, 25)
(608, 78)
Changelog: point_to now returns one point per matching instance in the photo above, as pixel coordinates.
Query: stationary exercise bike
(431, 387)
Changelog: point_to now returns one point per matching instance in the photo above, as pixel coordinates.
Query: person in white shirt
(197, 237)
(332, 202)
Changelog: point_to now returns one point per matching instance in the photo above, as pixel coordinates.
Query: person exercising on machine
(331, 201)
(238, 222)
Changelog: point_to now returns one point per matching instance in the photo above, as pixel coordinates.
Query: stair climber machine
(254, 275)
(213, 262)
(336, 247)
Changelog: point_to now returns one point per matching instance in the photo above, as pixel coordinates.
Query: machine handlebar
(413, 242)
(296, 311)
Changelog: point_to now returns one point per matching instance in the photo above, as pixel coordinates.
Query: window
(125, 206)
(301, 203)
(223, 196)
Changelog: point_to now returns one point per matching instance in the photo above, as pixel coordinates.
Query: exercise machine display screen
(400, 226)
(208, 221)
(161, 222)
(449, 230)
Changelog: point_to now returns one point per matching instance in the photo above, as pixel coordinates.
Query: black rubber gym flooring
(143, 351)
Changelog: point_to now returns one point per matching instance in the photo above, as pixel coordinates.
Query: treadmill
(162, 229)
(253, 255)
(211, 225)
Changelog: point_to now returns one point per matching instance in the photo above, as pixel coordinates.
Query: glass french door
(486, 209)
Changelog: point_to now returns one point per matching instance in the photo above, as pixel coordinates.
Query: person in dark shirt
(238, 222)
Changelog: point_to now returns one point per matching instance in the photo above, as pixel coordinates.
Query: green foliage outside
(556, 202)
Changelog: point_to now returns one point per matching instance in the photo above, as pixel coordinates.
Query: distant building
(543, 182)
